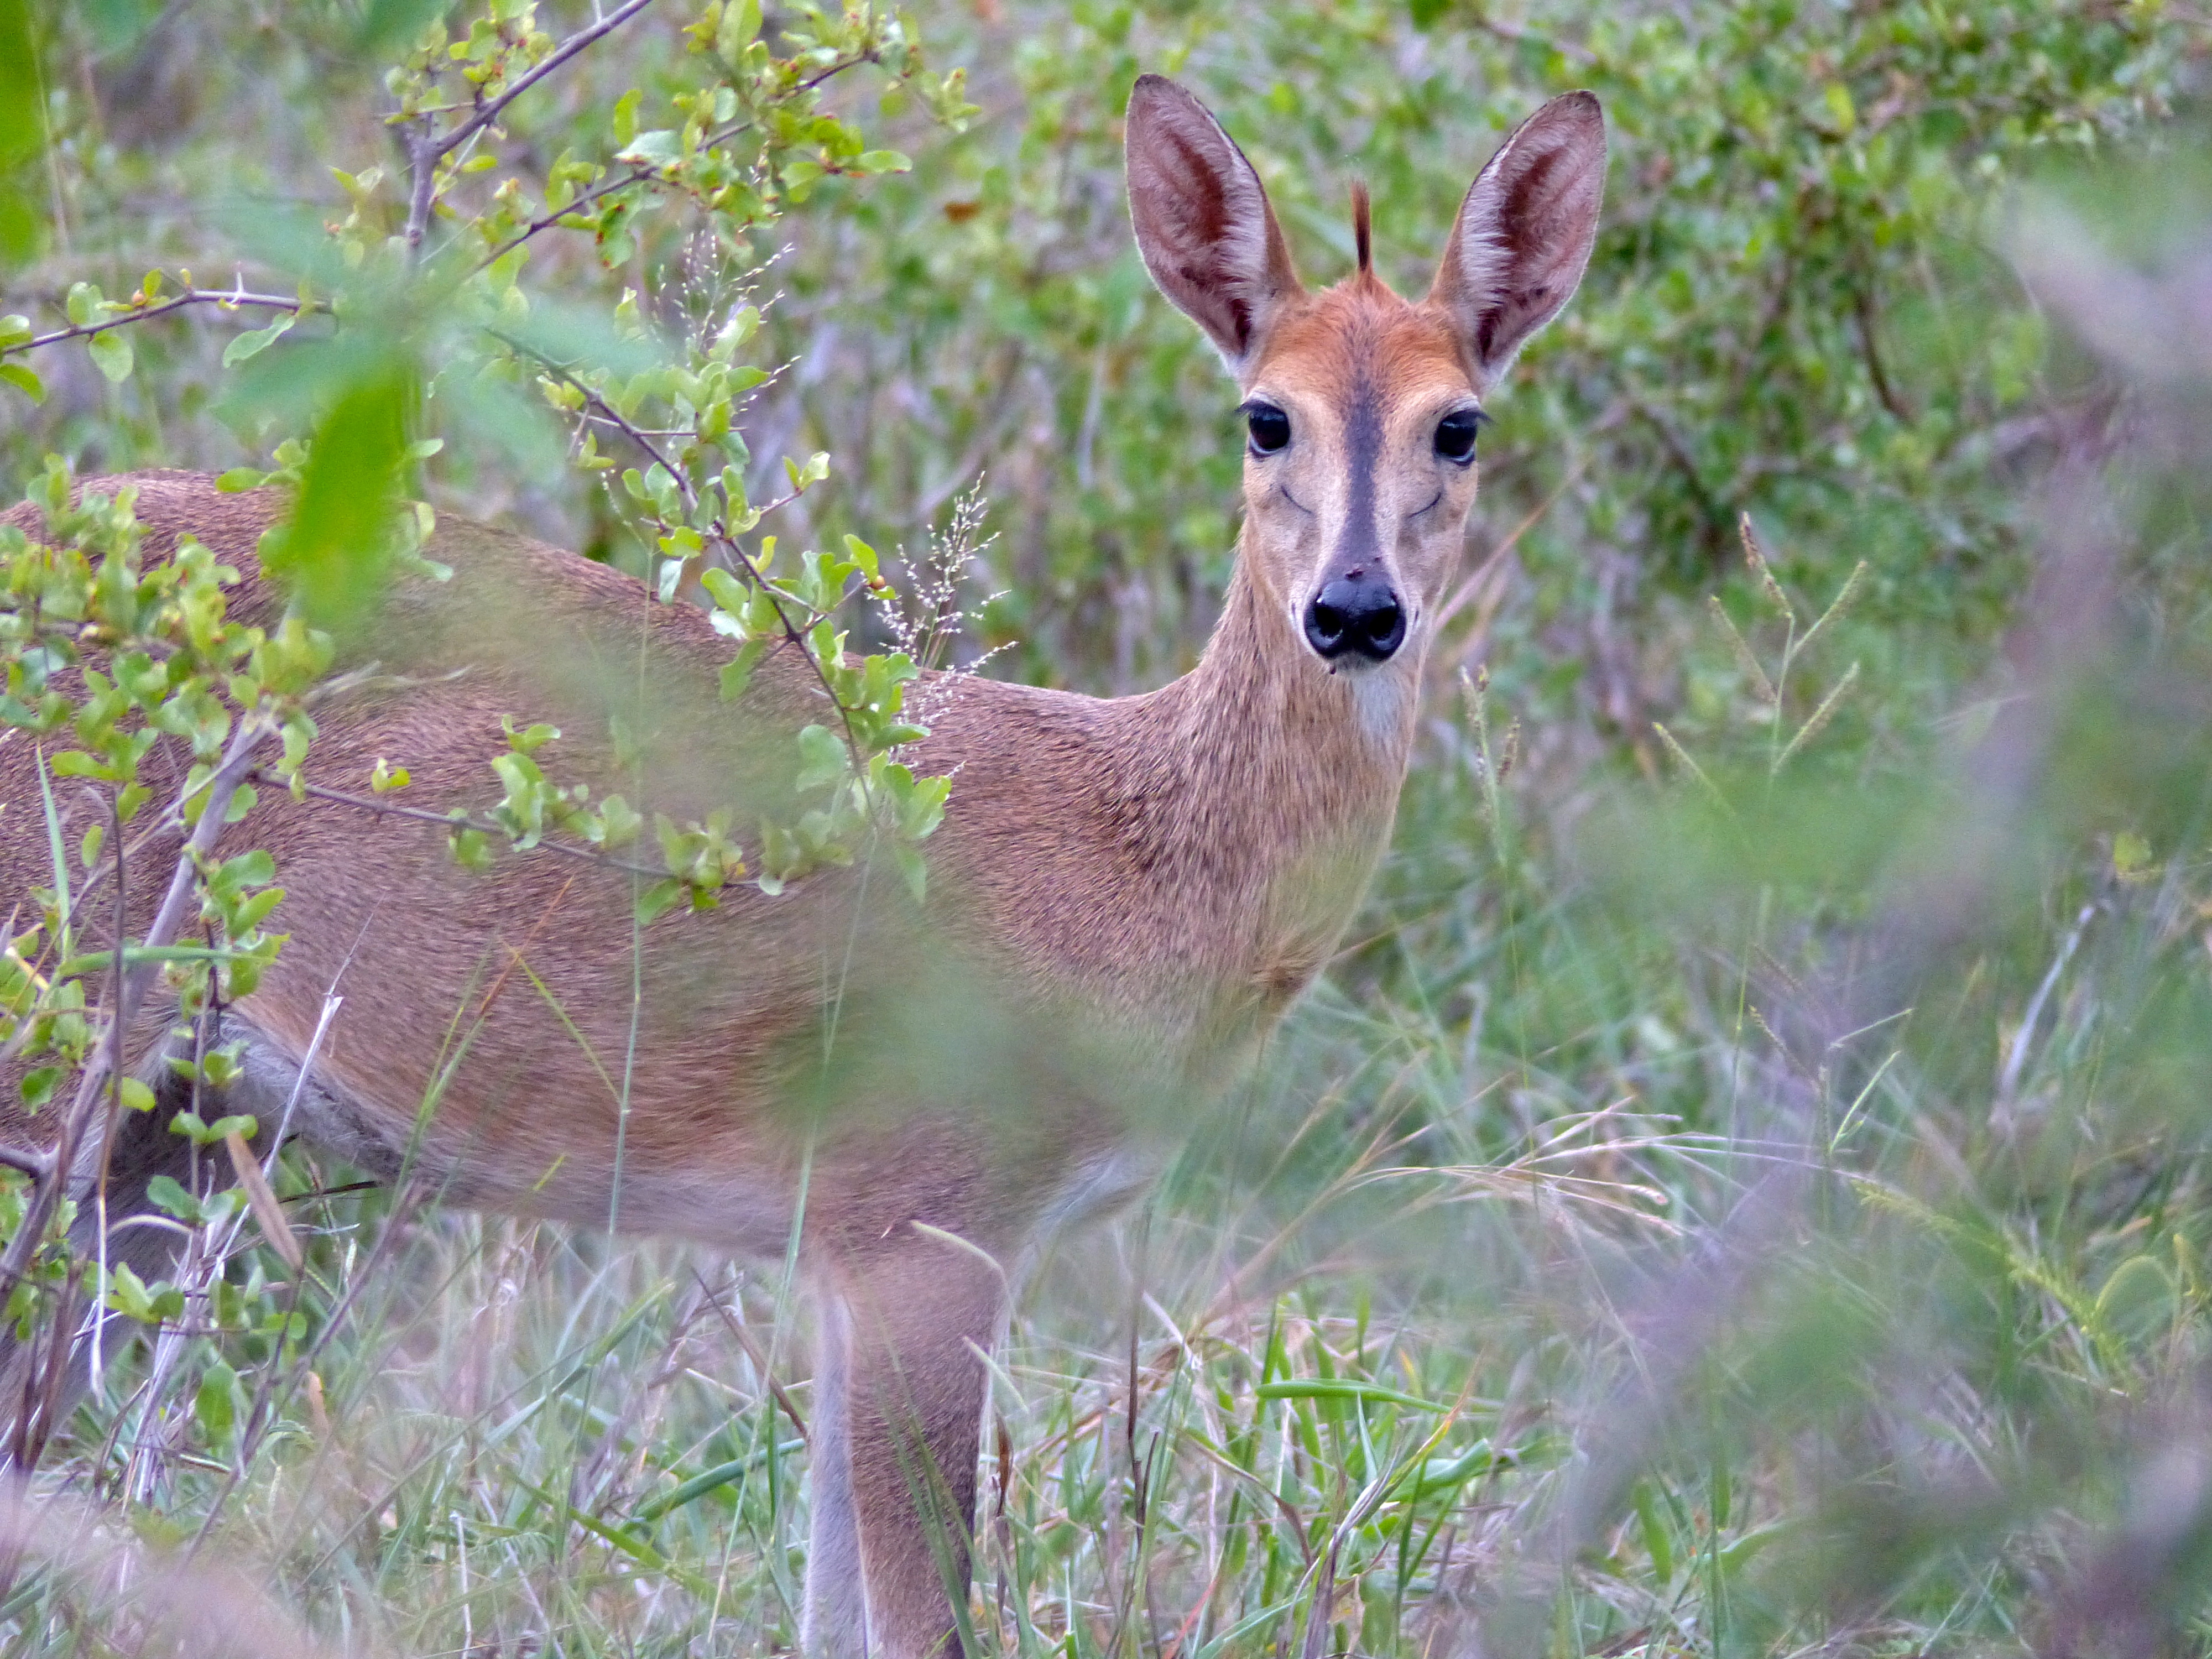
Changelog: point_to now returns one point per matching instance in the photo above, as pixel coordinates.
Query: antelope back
(488, 1021)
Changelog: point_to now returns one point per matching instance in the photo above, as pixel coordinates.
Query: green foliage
(426, 267)
(22, 123)
(179, 667)
(398, 313)
(1790, 312)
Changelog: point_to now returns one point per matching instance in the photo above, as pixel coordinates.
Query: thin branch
(745, 1340)
(645, 172)
(228, 299)
(461, 821)
(425, 150)
(636, 175)
(561, 54)
(27, 1160)
(1863, 307)
(422, 168)
(1679, 453)
(795, 633)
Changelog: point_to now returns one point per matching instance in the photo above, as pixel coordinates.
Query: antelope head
(1361, 408)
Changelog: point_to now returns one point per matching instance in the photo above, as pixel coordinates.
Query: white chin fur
(1381, 693)
(1380, 690)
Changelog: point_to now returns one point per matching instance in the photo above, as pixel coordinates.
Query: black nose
(1359, 613)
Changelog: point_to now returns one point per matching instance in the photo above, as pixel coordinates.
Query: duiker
(1164, 871)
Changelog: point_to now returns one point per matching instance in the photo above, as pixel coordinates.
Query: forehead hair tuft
(1362, 241)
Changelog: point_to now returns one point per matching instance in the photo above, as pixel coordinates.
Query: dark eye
(1269, 427)
(1455, 434)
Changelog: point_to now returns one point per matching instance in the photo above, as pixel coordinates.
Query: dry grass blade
(1846, 596)
(266, 1210)
(1682, 758)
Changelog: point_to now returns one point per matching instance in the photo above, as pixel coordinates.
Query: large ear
(1524, 233)
(1203, 223)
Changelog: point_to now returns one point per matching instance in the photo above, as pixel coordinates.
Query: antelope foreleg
(899, 1419)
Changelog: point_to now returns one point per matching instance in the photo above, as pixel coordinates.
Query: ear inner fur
(1524, 233)
(1202, 220)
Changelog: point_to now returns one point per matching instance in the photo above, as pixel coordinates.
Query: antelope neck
(1260, 757)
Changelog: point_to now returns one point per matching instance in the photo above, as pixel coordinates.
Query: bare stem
(644, 172)
(421, 163)
(463, 821)
(228, 299)
(561, 54)
(793, 632)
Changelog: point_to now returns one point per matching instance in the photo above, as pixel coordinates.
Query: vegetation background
(1742, 1191)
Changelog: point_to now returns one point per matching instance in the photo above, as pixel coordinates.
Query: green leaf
(619, 821)
(253, 869)
(657, 149)
(655, 901)
(724, 588)
(131, 1297)
(20, 376)
(110, 352)
(1345, 1388)
(822, 759)
(471, 849)
(164, 1193)
(215, 1405)
(1658, 1544)
(740, 24)
(914, 867)
(254, 911)
(738, 674)
(799, 178)
(257, 341)
(863, 556)
(1443, 1475)
(529, 738)
(334, 552)
(709, 1480)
